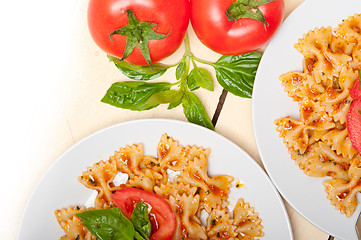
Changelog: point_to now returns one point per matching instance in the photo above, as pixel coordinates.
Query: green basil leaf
(236, 73)
(139, 72)
(202, 77)
(140, 219)
(194, 110)
(133, 95)
(138, 236)
(107, 224)
(180, 70)
(167, 96)
(175, 104)
(191, 82)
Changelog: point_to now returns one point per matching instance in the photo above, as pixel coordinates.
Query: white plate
(270, 102)
(59, 186)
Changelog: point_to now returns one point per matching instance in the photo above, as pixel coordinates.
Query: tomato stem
(138, 34)
(247, 9)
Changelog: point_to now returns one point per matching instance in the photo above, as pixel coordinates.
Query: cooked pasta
(190, 193)
(318, 141)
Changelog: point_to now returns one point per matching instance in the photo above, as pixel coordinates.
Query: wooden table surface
(53, 77)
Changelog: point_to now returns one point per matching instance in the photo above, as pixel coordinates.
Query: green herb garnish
(111, 224)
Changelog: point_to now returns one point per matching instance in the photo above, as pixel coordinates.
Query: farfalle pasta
(190, 192)
(318, 141)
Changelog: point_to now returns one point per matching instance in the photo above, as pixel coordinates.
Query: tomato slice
(353, 124)
(355, 91)
(161, 215)
(353, 117)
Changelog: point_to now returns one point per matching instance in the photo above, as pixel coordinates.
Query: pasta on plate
(190, 193)
(318, 141)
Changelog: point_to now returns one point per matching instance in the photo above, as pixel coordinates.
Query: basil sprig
(111, 224)
(236, 74)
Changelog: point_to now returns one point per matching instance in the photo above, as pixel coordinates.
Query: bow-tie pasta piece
(341, 193)
(247, 220)
(72, 225)
(350, 30)
(340, 142)
(100, 177)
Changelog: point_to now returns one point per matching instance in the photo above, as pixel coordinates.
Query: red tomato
(355, 91)
(161, 215)
(106, 16)
(353, 117)
(211, 25)
(353, 124)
